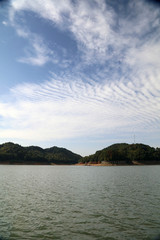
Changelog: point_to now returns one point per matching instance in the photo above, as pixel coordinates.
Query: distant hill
(11, 153)
(124, 153)
(116, 154)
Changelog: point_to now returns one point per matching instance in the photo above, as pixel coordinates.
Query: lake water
(76, 202)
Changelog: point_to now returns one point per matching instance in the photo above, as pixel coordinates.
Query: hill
(124, 153)
(116, 154)
(11, 153)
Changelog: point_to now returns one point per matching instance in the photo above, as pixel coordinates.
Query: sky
(80, 74)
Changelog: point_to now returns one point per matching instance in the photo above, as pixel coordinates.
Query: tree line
(15, 154)
(124, 153)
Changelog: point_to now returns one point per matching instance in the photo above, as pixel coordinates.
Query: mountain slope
(124, 153)
(13, 154)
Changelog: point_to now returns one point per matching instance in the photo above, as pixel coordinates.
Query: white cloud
(73, 108)
(89, 22)
(100, 33)
(91, 26)
(5, 23)
(145, 56)
(110, 100)
(38, 54)
(139, 36)
(49, 9)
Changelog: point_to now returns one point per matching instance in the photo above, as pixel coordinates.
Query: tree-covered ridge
(124, 153)
(14, 153)
(121, 153)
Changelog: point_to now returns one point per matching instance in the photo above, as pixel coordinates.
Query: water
(75, 202)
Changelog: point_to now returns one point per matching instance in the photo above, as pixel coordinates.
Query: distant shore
(83, 164)
(135, 163)
(119, 154)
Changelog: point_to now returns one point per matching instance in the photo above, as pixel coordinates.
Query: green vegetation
(122, 153)
(125, 154)
(11, 153)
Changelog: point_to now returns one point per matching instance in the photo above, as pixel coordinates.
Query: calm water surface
(75, 202)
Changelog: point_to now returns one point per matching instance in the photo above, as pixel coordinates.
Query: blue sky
(79, 74)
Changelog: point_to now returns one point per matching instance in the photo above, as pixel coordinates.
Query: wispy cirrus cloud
(4, 23)
(73, 108)
(140, 35)
(37, 54)
(88, 22)
(102, 33)
(114, 85)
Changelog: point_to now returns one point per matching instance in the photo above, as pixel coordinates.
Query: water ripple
(51, 202)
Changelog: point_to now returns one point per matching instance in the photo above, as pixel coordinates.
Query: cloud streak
(114, 86)
(101, 32)
(68, 109)
(88, 22)
(38, 54)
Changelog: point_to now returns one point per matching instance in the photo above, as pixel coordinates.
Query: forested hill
(11, 153)
(124, 153)
(121, 153)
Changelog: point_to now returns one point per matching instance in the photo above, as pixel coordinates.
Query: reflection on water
(75, 202)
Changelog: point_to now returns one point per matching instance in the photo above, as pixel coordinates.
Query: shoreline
(123, 164)
(85, 164)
